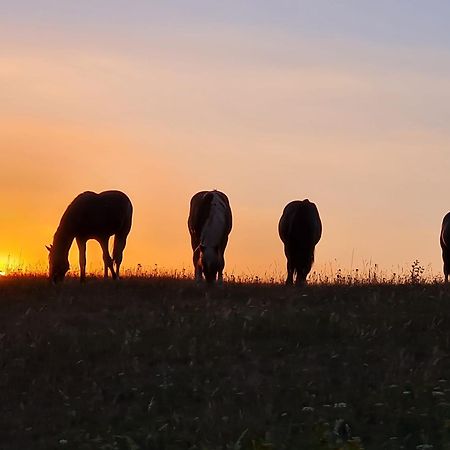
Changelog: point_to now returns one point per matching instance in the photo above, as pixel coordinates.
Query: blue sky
(410, 22)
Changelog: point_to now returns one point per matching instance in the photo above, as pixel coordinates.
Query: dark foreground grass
(159, 364)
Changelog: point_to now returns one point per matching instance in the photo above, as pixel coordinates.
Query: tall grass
(326, 274)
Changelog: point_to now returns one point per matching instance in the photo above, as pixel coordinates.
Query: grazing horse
(445, 244)
(91, 216)
(300, 230)
(209, 224)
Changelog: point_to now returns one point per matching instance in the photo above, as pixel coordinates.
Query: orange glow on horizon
(160, 192)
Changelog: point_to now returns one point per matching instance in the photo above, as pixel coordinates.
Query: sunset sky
(346, 103)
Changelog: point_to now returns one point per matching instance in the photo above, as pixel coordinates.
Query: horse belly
(97, 228)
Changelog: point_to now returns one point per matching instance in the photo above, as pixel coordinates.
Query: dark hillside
(155, 363)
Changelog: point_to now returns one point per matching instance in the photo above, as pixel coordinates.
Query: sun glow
(9, 264)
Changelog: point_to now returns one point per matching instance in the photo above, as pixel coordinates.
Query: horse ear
(49, 247)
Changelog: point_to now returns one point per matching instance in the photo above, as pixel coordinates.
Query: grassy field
(157, 363)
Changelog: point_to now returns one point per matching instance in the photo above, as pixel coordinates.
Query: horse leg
(107, 260)
(290, 273)
(197, 267)
(289, 266)
(119, 245)
(82, 258)
(446, 258)
(221, 266)
(198, 272)
(220, 277)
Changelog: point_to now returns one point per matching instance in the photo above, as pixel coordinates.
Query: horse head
(301, 276)
(211, 262)
(58, 265)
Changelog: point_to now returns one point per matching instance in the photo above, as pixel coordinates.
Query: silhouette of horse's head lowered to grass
(91, 216)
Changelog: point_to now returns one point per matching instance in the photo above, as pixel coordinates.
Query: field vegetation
(156, 362)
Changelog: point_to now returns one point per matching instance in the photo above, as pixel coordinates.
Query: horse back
(92, 215)
(200, 210)
(300, 224)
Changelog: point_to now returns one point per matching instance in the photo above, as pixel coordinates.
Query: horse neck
(62, 241)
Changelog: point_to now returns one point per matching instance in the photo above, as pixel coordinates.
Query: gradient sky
(346, 103)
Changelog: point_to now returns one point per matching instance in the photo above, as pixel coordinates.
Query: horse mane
(70, 215)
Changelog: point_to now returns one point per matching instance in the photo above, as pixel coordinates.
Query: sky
(346, 103)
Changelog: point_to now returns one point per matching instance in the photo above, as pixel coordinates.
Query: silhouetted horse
(300, 230)
(209, 224)
(91, 216)
(445, 244)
